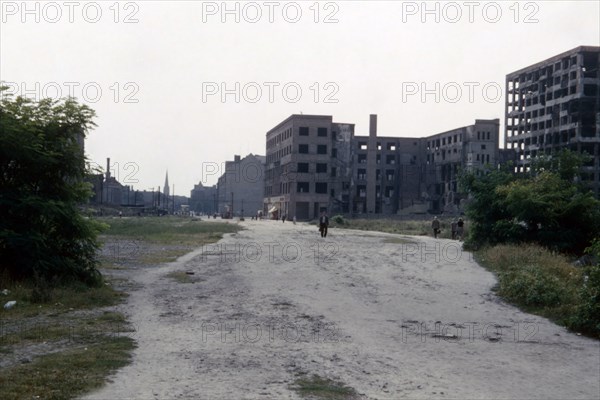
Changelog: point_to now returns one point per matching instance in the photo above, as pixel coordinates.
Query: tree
(491, 223)
(42, 170)
(546, 206)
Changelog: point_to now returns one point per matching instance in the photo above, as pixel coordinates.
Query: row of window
(361, 191)
(361, 174)
(565, 63)
(279, 138)
(483, 135)
(305, 131)
(274, 157)
(445, 140)
(320, 149)
(390, 159)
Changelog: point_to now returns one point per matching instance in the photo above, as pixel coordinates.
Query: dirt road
(391, 318)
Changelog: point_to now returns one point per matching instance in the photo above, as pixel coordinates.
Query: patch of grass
(181, 277)
(540, 282)
(66, 374)
(405, 227)
(395, 240)
(169, 230)
(62, 299)
(316, 387)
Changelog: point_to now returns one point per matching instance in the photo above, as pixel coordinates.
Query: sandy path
(391, 320)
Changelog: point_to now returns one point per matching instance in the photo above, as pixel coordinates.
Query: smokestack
(373, 125)
(107, 168)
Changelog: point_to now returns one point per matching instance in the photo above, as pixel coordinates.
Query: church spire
(166, 187)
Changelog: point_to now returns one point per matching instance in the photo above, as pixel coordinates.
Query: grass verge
(545, 283)
(66, 374)
(316, 387)
(60, 342)
(408, 227)
(164, 238)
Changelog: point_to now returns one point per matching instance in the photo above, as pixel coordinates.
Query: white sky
(371, 60)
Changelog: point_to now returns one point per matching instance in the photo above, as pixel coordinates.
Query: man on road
(323, 224)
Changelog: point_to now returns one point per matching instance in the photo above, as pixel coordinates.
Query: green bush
(531, 286)
(338, 219)
(587, 316)
(42, 176)
(546, 206)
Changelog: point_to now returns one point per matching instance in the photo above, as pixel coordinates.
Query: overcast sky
(155, 71)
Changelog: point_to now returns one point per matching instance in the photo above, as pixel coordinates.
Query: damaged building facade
(308, 167)
(554, 105)
(240, 186)
(314, 164)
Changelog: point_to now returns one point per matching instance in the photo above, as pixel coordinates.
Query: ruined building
(555, 104)
(315, 164)
(240, 186)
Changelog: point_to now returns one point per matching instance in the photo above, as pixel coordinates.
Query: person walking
(460, 229)
(454, 226)
(323, 224)
(435, 225)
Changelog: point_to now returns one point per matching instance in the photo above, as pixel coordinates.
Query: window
(483, 147)
(302, 167)
(334, 135)
(322, 132)
(390, 159)
(333, 172)
(333, 153)
(362, 145)
(321, 187)
(362, 174)
(303, 149)
(303, 131)
(361, 191)
(322, 149)
(302, 187)
(321, 168)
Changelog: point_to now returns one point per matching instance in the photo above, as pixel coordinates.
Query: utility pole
(231, 204)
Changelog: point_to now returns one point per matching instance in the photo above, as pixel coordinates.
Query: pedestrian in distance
(460, 229)
(294, 220)
(454, 226)
(323, 224)
(283, 217)
(435, 225)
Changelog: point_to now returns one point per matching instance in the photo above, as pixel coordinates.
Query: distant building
(388, 173)
(241, 185)
(308, 167)
(203, 199)
(555, 104)
(314, 164)
(469, 148)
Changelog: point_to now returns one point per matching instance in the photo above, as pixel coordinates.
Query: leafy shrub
(42, 175)
(338, 219)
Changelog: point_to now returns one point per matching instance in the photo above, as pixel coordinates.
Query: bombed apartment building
(555, 104)
(203, 199)
(399, 175)
(308, 167)
(387, 173)
(469, 148)
(239, 189)
(315, 164)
